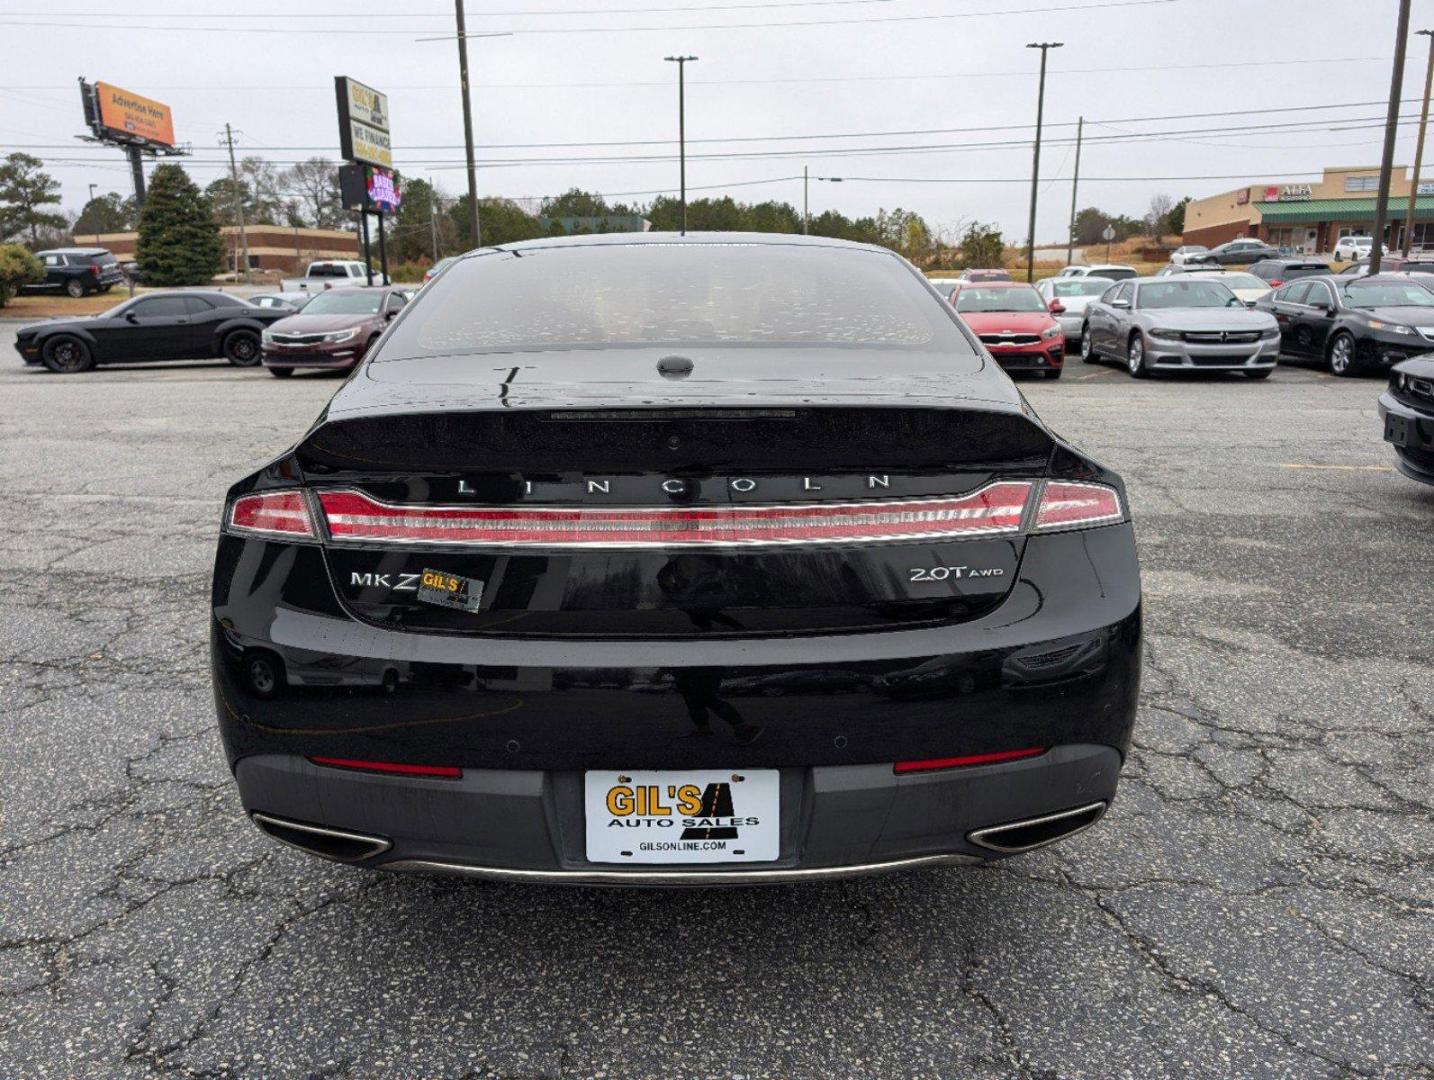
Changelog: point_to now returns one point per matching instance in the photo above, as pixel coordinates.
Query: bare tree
(316, 184)
(1157, 218)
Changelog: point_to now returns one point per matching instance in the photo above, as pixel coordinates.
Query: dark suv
(1279, 271)
(78, 271)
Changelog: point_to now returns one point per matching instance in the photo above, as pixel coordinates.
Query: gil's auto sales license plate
(694, 816)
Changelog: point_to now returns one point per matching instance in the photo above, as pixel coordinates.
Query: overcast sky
(582, 71)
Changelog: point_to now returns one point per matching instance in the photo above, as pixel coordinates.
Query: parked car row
(330, 330)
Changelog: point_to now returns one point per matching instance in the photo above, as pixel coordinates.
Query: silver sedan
(1179, 324)
(1073, 295)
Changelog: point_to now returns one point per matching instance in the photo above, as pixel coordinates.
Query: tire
(74, 288)
(1258, 375)
(1135, 357)
(1055, 374)
(105, 288)
(1088, 352)
(66, 355)
(241, 348)
(1342, 359)
(281, 372)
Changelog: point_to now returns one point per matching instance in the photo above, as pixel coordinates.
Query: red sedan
(1015, 324)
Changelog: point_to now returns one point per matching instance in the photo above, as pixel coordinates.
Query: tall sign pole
(1075, 183)
(1045, 47)
(682, 62)
(1391, 126)
(468, 122)
(1419, 146)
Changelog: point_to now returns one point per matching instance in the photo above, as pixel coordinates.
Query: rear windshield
(1113, 273)
(661, 294)
(1185, 294)
(1021, 298)
(1299, 270)
(1369, 294)
(328, 270)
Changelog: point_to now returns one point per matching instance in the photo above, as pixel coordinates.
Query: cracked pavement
(1258, 903)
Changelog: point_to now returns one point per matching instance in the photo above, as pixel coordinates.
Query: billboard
(363, 123)
(125, 116)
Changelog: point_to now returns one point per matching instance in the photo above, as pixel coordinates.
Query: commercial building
(271, 247)
(1311, 217)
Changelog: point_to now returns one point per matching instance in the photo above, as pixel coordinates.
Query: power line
(547, 31)
(409, 14)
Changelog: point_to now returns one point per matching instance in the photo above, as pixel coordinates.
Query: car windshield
(1114, 273)
(1372, 294)
(1185, 294)
(1086, 286)
(1243, 281)
(344, 302)
(622, 295)
(1021, 298)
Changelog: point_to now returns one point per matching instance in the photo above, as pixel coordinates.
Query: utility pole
(806, 211)
(238, 200)
(433, 224)
(682, 62)
(1045, 47)
(1391, 125)
(1075, 183)
(468, 123)
(1419, 146)
(92, 192)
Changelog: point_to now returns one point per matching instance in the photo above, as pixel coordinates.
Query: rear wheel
(281, 372)
(67, 355)
(75, 288)
(1342, 354)
(1135, 357)
(241, 348)
(1088, 353)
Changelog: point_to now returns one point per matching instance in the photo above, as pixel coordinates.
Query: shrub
(17, 267)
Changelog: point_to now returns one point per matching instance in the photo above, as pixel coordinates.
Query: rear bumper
(527, 825)
(1411, 432)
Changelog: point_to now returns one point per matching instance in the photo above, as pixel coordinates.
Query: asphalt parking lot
(1259, 902)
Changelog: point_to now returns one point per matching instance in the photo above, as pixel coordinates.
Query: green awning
(1284, 213)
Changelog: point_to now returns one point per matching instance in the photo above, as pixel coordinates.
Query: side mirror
(131, 317)
(390, 313)
(1120, 303)
(1057, 308)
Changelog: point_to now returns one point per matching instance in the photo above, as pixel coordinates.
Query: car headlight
(1166, 335)
(1270, 334)
(340, 335)
(1390, 328)
(1052, 332)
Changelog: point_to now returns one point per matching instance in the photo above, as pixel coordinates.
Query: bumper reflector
(936, 764)
(432, 772)
(995, 508)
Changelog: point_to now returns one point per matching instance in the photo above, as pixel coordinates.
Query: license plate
(450, 591)
(693, 816)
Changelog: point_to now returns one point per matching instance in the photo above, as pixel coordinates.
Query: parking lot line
(1342, 468)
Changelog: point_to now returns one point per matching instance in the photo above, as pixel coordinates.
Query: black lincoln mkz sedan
(181, 325)
(1353, 324)
(512, 606)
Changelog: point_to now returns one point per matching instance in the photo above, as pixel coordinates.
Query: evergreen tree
(178, 237)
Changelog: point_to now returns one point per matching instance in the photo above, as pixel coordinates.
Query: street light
(682, 62)
(806, 213)
(1045, 47)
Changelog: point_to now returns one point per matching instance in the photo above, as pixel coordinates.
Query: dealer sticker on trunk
(689, 816)
(449, 590)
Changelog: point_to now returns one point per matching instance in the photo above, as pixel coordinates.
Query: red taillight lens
(996, 508)
(936, 764)
(271, 513)
(392, 768)
(1276, 283)
(95, 269)
(1069, 505)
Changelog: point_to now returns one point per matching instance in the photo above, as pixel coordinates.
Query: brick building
(271, 247)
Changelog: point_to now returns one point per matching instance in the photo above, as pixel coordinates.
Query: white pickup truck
(332, 274)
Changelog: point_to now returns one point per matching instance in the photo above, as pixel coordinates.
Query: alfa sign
(363, 123)
(1289, 193)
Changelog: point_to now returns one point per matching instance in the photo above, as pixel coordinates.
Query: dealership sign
(382, 190)
(1289, 193)
(117, 115)
(363, 123)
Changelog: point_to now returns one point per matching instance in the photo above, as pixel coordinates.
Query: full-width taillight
(937, 764)
(996, 508)
(1070, 505)
(271, 513)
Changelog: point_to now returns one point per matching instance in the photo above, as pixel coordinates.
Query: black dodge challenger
(668, 560)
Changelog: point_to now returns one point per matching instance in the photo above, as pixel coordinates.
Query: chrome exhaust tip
(1028, 834)
(335, 844)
